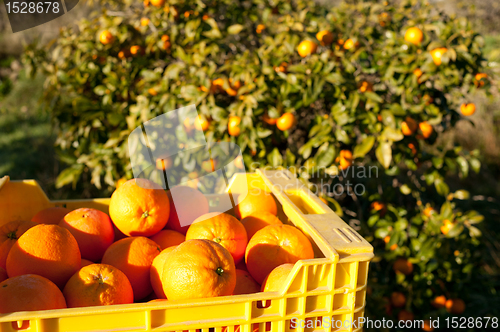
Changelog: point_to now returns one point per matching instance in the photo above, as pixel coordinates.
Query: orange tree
(326, 92)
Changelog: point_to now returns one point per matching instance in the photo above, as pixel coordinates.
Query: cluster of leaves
(98, 93)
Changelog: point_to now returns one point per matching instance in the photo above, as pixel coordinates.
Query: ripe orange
(428, 211)
(106, 37)
(85, 262)
(190, 202)
(405, 315)
(3, 274)
(120, 182)
(275, 245)
(222, 228)
(198, 269)
(275, 280)
(447, 225)
(455, 306)
(260, 28)
(281, 68)
(47, 250)
(233, 87)
(306, 47)
(345, 159)
(157, 3)
(29, 293)
(398, 299)
(349, 43)
(268, 120)
(98, 284)
(201, 123)
(92, 230)
(152, 92)
(377, 206)
(439, 302)
(9, 234)
(139, 208)
(325, 37)
(387, 239)
(403, 266)
(408, 126)
(245, 284)
(136, 49)
(52, 215)
(233, 126)
(168, 238)
(256, 200)
(426, 129)
(365, 87)
(144, 21)
(258, 220)
(418, 72)
(286, 121)
(414, 35)
(480, 79)
(437, 54)
(134, 256)
(468, 109)
(156, 272)
(427, 326)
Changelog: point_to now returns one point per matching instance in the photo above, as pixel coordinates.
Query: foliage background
(98, 108)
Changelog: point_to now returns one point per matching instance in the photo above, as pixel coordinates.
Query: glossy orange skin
(85, 262)
(139, 208)
(345, 159)
(222, 228)
(275, 245)
(156, 272)
(9, 234)
(96, 285)
(52, 215)
(198, 269)
(409, 126)
(233, 126)
(275, 280)
(467, 109)
(256, 200)
(437, 54)
(245, 284)
(168, 238)
(285, 122)
(268, 120)
(46, 250)
(189, 200)
(106, 37)
(258, 220)
(306, 47)
(447, 226)
(134, 257)
(29, 292)
(92, 229)
(439, 302)
(414, 35)
(403, 266)
(426, 129)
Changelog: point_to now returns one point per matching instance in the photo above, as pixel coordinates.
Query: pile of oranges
(141, 252)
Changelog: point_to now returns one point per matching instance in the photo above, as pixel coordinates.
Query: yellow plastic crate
(331, 287)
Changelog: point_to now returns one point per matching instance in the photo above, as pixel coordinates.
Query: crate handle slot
(332, 235)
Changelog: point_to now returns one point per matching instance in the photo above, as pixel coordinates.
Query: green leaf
(441, 187)
(364, 147)
(405, 189)
(474, 231)
(392, 134)
(325, 158)
(274, 158)
(384, 153)
(461, 194)
(235, 29)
